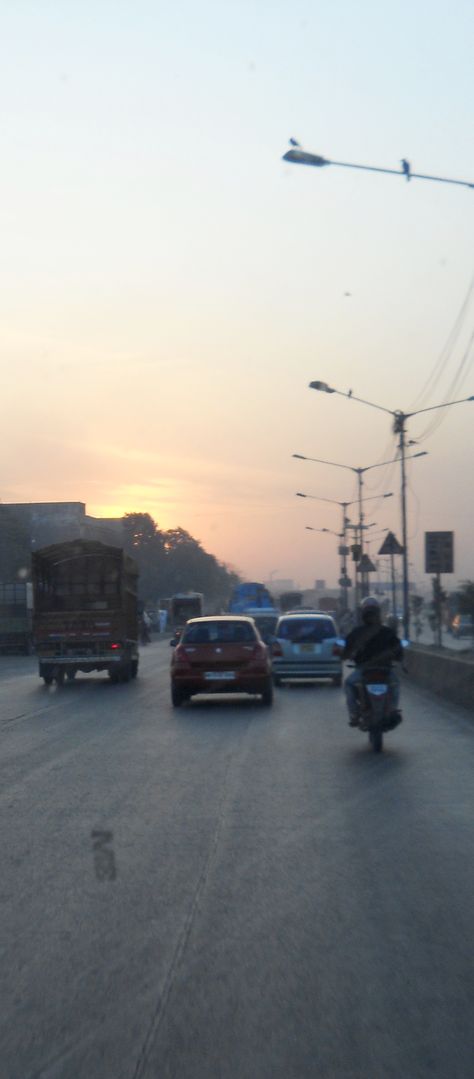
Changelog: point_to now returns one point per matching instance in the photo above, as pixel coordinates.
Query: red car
(220, 654)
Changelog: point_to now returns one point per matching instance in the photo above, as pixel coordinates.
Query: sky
(170, 286)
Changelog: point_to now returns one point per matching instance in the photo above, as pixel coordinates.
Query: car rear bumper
(196, 684)
(299, 668)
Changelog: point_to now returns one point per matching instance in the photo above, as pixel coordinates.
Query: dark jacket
(367, 643)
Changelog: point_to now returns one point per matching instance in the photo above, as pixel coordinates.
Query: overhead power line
(446, 352)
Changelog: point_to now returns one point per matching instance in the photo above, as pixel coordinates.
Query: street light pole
(342, 550)
(344, 506)
(399, 427)
(360, 575)
(298, 156)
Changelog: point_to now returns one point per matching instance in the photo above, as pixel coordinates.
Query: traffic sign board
(439, 552)
(365, 565)
(391, 545)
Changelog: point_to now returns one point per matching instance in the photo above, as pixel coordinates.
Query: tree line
(173, 561)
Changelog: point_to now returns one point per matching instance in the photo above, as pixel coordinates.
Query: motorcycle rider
(368, 644)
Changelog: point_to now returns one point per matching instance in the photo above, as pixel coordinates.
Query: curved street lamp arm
(298, 156)
(324, 388)
(433, 408)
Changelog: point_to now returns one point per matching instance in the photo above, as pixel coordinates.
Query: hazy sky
(169, 286)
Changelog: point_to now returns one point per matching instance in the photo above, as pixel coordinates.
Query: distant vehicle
(247, 595)
(85, 611)
(184, 605)
(289, 600)
(16, 617)
(462, 626)
(304, 649)
(220, 654)
(265, 621)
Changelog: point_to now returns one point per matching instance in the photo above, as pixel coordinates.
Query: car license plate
(315, 649)
(219, 676)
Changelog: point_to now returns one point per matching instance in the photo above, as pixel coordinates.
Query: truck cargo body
(16, 618)
(290, 601)
(85, 610)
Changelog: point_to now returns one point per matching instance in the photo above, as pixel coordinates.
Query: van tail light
(277, 649)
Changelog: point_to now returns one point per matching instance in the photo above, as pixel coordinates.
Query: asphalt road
(263, 897)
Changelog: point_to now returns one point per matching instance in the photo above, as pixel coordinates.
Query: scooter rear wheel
(376, 741)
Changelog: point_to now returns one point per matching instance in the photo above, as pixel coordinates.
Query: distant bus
(249, 594)
(290, 600)
(184, 605)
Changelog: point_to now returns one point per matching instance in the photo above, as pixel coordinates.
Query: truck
(184, 605)
(250, 594)
(16, 617)
(290, 600)
(85, 614)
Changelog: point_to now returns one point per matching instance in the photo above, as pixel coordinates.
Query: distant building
(276, 587)
(56, 522)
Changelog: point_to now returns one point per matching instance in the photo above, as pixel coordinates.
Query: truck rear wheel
(126, 672)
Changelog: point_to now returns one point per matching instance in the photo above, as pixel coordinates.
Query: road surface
(228, 891)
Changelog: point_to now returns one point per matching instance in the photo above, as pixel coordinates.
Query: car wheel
(267, 695)
(337, 681)
(134, 668)
(277, 680)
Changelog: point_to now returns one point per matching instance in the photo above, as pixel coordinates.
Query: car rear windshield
(306, 629)
(218, 633)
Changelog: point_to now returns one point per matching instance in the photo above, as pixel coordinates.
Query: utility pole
(363, 583)
(345, 605)
(399, 422)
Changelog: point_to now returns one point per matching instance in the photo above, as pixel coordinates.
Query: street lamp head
(299, 456)
(299, 494)
(422, 453)
(300, 157)
(389, 495)
(322, 386)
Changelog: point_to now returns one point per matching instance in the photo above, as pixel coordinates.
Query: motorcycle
(377, 712)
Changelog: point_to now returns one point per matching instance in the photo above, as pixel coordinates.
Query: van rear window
(298, 630)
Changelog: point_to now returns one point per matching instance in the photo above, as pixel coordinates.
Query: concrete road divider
(449, 675)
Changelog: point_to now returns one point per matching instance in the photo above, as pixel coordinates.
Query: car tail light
(180, 658)
(115, 645)
(277, 649)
